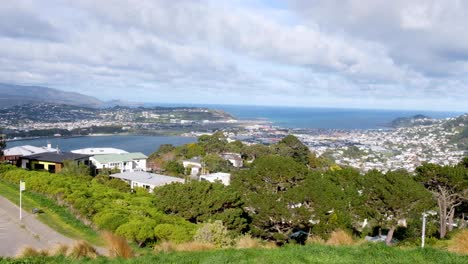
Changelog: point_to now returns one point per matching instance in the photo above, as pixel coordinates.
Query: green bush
(214, 233)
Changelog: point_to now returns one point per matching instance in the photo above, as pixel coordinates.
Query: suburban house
(224, 178)
(195, 164)
(123, 162)
(13, 155)
(234, 158)
(145, 179)
(52, 161)
(99, 151)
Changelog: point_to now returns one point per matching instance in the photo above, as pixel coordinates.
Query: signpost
(22, 188)
(423, 233)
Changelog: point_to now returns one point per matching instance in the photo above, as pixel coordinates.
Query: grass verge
(55, 216)
(365, 253)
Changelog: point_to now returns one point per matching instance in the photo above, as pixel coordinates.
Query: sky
(400, 54)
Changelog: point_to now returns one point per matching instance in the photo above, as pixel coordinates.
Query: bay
(314, 117)
(144, 144)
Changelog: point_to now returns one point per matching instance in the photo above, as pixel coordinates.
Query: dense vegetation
(283, 191)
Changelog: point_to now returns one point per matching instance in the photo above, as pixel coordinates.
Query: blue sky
(354, 53)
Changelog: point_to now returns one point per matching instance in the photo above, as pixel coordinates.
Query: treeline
(284, 193)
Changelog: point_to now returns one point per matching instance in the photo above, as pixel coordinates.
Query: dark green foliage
(72, 168)
(202, 201)
(255, 151)
(173, 168)
(113, 183)
(234, 147)
(214, 163)
(269, 189)
(214, 143)
(392, 197)
(449, 186)
(292, 147)
(2, 144)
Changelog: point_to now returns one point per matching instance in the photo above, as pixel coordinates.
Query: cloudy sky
(396, 54)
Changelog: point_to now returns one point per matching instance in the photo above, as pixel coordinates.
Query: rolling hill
(11, 95)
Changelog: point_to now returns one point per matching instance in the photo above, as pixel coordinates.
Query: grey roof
(195, 159)
(56, 157)
(147, 178)
(124, 157)
(26, 150)
(99, 151)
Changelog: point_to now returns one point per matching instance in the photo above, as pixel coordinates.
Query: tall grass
(340, 238)
(82, 249)
(117, 246)
(364, 253)
(459, 243)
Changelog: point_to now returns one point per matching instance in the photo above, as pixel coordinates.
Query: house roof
(147, 178)
(124, 157)
(194, 160)
(99, 151)
(55, 157)
(26, 150)
(225, 178)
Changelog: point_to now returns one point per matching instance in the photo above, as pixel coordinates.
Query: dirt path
(15, 234)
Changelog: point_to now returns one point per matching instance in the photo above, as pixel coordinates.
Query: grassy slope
(55, 216)
(366, 253)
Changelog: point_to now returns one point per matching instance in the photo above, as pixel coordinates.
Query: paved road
(15, 234)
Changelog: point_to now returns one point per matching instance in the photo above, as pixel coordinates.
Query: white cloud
(310, 52)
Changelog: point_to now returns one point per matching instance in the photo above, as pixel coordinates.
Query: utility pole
(22, 188)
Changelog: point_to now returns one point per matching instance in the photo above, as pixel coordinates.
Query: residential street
(29, 232)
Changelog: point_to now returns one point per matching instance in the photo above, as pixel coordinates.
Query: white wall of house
(134, 165)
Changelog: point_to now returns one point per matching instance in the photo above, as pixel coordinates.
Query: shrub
(117, 246)
(214, 233)
(174, 233)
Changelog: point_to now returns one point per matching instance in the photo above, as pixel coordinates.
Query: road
(15, 234)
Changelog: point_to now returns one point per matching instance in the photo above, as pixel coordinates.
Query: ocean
(144, 144)
(326, 118)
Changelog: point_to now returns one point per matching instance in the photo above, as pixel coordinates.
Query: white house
(224, 178)
(234, 158)
(193, 163)
(145, 179)
(124, 162)
(98, 151)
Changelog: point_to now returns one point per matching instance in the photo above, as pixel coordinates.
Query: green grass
(366, 253)
(55, 216)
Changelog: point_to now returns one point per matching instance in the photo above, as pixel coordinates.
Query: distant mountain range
(11, 95)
